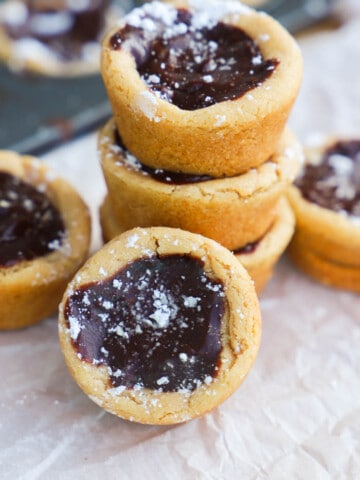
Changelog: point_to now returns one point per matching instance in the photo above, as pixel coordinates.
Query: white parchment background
(296, 416)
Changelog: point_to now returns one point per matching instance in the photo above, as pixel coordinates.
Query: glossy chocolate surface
(159, 174)
(334, 183)
(156, 323)
(194, 67)
(62, 27)
(30, 225)
(248, 248)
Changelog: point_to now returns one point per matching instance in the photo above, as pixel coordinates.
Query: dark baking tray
(37, 113)
(296, 15)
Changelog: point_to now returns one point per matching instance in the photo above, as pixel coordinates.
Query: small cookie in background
(54, 37)
(326, 201)
(44, 239)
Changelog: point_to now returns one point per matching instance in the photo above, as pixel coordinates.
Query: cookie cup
(31, 290)
(328, 233)
(240, 328)
(224, 139)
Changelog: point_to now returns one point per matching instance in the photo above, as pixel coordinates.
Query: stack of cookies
(162, 324)
(326, 201)
(198, 141)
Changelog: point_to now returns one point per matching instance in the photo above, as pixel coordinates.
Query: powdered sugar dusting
(342, 165)
(75, 328)
(139, 17)
(175, 49)
(145, 323)
(220, 120)
(331, 179)
(147, 102)
(215, 11)
(13, 13)
(132, 241)
(264, 37)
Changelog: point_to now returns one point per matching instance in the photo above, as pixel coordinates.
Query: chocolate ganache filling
(248, 248)
(334, 183)
(64, 27)
(159, 174)
(156, 323)
(193, 65)
(30, 225)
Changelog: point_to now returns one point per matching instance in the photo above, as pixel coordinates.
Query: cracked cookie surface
(164, 284)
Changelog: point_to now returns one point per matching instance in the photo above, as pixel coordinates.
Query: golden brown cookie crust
(240, 328)
(330, 234)
(232, 211)
(324, 269)
(32, 290)
(110, 227)
(326, 243)
(260, 264)
(225, 139)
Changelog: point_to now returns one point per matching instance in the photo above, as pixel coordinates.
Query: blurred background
(38, 112)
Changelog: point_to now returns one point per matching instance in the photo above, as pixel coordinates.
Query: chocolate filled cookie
(201, 89)
(54, 37)
(326, 202)
(44, 238)
(233, 211)
(160, 326)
